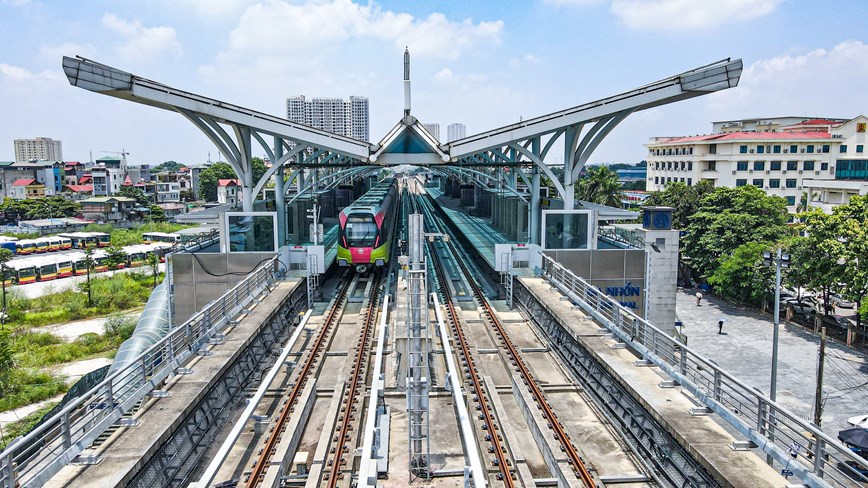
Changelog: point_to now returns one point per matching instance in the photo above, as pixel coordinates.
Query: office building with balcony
(785, 156)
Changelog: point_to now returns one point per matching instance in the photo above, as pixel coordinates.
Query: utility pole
(780, 260)
(818, 400)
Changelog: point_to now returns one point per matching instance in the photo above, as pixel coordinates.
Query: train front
(361, 242)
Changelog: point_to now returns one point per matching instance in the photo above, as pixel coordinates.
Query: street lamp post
(779, 261)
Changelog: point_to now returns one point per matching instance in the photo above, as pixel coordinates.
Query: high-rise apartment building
(345, 117)
(821, 158)
(455, 132)
(40, 148)
(433, 129)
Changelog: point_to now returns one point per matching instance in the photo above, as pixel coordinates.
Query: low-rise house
(27, 188)
(227, 192)
(108, 209)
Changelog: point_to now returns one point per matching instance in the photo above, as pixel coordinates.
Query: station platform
(477, 230)
(124, 454)
(674, 409)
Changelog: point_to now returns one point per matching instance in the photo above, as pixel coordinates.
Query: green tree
(5, 256)
(115, 257)
(7, 362)
(167, 166)
(43, 208)
(208, 180)
(728, 218)
(259, 169)
(741, 276)
(88, 262)
(684, 199)
(157, 214)
(851, 221)
(188, 196)
(600, 185)
(135, 193)
(154, 262)
(820, 258)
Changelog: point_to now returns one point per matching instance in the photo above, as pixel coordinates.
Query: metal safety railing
(800, 448)
(34, 459)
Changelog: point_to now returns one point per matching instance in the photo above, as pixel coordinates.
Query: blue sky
(485, 64)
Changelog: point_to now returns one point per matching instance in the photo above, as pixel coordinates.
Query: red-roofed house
(227, 192)
(25, 188)
(777, 155)
(127, 181)
(78, 192)
(86, 179)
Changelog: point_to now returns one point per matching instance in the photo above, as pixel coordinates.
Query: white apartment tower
(433, 129)
(40, 148)
(785, 156)
(345, 117)
(455, 132)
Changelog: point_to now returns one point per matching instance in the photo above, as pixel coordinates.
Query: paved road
(745, 348)
(34, 290)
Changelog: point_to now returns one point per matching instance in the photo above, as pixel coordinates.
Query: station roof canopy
(408, 142)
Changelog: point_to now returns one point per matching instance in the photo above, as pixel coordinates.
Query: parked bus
(80, 240)
(46, 268)
(25, 247)
(64, 266)
(24, 271)
(54, 243)
(41, 244)
(151, 237)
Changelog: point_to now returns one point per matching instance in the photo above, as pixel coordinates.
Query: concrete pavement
(745, 349)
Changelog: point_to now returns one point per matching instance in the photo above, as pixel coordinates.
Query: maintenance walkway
(680, 414)
(124, 454)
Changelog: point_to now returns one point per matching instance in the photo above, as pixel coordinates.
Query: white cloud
(140, 43)
(54, 52)
(215, 8)
(573, 3)
(313, 26)
(688, 15)
(16, 74)
(820, 82)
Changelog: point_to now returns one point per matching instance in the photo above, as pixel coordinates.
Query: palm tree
(600, 185)
(803, 202)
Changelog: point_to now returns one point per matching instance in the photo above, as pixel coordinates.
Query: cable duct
(152, 326)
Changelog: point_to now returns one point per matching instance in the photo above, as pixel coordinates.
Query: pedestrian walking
(698, 298)
(720, 322)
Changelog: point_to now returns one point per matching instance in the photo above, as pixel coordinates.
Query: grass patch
(111, 294)
(23, 426)
(24, 351)
(20, 386)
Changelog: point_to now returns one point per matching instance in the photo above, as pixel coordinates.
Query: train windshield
(361, 230)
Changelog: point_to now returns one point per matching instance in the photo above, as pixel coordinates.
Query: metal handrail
(32, 460)
(800, 447)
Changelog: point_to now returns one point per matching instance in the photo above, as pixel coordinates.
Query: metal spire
(406, 82)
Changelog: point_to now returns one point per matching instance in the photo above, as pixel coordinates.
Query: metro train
(366, 226)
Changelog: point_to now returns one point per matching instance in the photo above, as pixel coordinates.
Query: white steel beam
(700, 81)
(106, 80)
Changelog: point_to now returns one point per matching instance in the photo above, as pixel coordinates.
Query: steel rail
(560, 434)
(481, 398)
(581, 470)
(271, 443)
(359, 368)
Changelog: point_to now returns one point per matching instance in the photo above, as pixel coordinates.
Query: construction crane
(122, 152)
